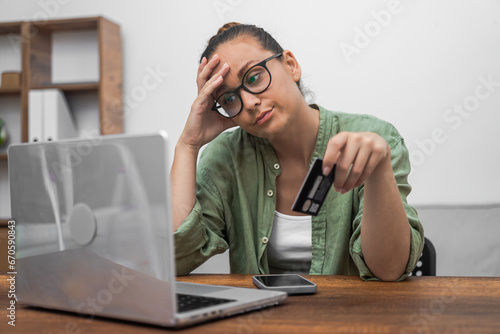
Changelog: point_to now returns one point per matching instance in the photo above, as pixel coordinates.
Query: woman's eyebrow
(244, 67)
(223, 87)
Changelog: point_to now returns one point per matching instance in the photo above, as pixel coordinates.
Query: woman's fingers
(211, 84)
(356, 156)
(205, 70)
(346, 158)
(358, 168)
(202, 65)
(333, 151)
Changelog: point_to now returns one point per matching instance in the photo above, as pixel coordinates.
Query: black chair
(426, 265)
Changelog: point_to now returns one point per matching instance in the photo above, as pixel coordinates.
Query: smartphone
(293, 284)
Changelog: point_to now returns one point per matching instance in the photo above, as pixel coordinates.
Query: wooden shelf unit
(71, 87)
(36, 66)
(10, 27)
(36, 72)
(5, 91)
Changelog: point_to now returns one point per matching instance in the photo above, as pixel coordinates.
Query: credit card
(314, 189)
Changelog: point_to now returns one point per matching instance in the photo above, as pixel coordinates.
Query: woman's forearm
(183, 182)
(385, 231)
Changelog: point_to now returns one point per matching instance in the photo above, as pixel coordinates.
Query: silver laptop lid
(90, 203)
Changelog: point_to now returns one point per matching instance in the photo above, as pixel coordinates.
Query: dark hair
(232, 30)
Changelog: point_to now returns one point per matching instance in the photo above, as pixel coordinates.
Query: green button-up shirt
(236, 200)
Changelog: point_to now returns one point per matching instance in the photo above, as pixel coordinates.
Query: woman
(241, 193)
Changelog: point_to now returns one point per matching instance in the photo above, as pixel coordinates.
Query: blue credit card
(314, 189)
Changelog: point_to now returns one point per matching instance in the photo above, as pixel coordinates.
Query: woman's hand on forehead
(206, 71)
(203, 124)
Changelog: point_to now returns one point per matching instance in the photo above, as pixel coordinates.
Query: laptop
(94, 234)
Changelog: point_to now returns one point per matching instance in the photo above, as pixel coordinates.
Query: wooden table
(343, 304)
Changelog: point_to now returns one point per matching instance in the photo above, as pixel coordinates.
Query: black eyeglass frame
(242, 86)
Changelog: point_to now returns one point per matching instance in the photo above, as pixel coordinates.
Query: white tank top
(290, 247)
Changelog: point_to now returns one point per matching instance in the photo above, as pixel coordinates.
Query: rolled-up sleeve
(202, 234)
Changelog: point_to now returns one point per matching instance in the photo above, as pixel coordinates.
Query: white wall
(423, 60)
(465, 238)
(413, 63)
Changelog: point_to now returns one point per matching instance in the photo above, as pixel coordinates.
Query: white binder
(50, 117)
(35, 116)
(58, 120)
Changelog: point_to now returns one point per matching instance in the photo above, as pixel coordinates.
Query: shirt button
(276, 166)
(265, 240)
(270, 193)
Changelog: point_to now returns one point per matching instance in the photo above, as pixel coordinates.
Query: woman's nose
(250, 101)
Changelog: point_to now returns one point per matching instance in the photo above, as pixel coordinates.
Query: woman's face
(269, 113)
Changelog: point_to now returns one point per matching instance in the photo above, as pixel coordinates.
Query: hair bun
(224, 28)
(227, 26)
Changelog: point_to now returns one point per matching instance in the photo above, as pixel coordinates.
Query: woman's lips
(263, 117)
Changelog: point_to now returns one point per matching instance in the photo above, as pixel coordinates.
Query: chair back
(426, 265)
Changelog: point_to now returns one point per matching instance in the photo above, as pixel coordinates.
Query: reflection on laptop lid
(94, 233)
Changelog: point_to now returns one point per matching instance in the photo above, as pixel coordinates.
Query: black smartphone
(293, 284)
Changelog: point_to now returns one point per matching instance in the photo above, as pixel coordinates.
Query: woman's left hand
(363, 150)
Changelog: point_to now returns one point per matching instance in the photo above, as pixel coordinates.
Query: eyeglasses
(256, 80)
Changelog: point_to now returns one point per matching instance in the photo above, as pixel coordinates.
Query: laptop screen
(108, 194)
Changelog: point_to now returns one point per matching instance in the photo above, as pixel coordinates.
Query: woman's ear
(292, 65)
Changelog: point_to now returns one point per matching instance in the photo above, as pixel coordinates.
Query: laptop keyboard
(190, 302)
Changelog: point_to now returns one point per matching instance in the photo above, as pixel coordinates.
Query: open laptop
(94, 234)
